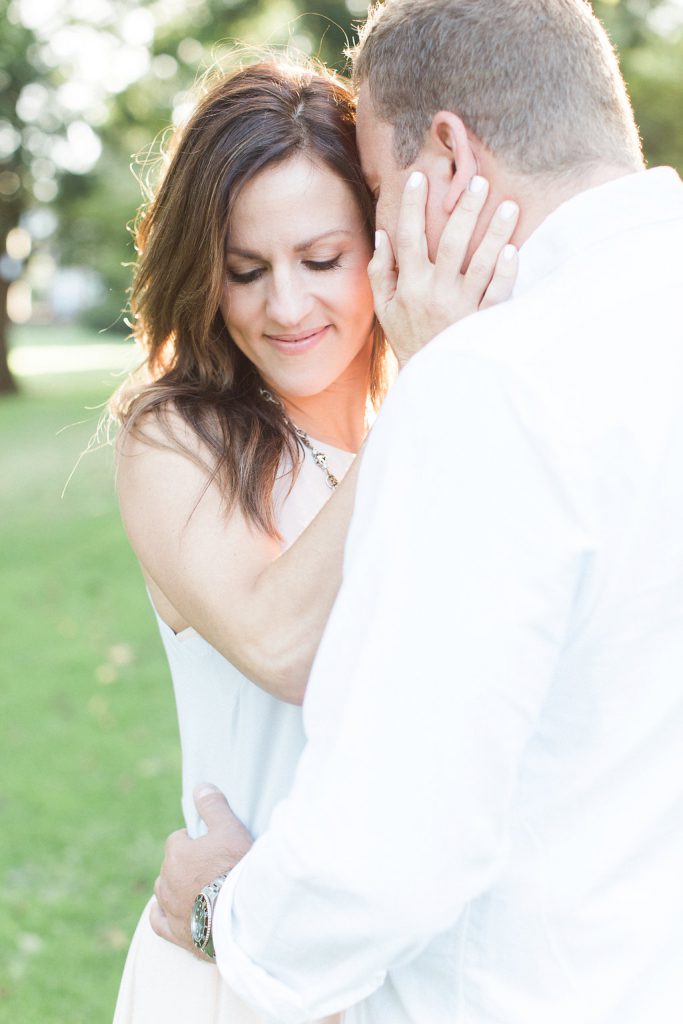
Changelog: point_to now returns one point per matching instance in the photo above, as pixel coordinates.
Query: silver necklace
(320, 458)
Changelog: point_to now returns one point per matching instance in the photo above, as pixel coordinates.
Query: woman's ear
(450, 141)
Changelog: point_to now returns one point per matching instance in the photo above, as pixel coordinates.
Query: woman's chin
(302, 395)
(302, 388)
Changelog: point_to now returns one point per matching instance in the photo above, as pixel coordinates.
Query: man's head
(525, 90)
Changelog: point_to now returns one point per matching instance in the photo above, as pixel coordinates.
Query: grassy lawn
(61, 334)
(90, 759)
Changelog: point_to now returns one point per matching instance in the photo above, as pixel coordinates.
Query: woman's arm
(213, 570)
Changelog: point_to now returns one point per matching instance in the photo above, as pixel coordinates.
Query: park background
(90, 759)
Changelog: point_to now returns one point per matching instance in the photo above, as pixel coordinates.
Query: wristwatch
(202, 916)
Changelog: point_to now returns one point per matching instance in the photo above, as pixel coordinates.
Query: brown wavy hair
(250, 119)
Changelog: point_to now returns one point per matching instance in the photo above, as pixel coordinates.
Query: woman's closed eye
(245, 277)
(317, 266)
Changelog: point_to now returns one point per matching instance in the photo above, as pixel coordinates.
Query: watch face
(200, 921)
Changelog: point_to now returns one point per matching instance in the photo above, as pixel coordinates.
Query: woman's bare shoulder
(160, 429)
(161, 463)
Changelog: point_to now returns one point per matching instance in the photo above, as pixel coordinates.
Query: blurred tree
(48, 117)
(629, 22)
(15, 73)
(648, 35)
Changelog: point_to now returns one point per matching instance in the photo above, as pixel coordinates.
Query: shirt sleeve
(462, 564)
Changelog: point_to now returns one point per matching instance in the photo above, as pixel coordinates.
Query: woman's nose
(289, 302)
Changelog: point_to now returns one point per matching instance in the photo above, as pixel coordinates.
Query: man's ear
(451, 144)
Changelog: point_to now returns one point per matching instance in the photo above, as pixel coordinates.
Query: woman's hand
(419, 300)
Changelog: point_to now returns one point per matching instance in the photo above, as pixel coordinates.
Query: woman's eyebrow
(318, 238)
(301, 247)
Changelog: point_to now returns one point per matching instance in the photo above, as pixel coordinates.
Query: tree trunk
(8, 385)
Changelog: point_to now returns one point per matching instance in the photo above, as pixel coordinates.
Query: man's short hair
(536, 81)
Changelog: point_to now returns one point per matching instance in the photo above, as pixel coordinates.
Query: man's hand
(416, 299)
(190, 864)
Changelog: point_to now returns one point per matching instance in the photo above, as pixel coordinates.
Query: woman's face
(297, 299)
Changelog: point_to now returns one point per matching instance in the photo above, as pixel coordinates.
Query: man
(487, 821)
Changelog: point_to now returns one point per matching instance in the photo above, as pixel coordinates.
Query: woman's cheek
(359, 279)
(360, 286)
(241, 312)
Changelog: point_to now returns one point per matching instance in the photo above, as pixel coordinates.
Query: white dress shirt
(486, 824)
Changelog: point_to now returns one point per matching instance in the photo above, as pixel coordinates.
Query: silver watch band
(202, 916)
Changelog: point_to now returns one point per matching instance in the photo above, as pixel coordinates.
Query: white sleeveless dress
(247, 743)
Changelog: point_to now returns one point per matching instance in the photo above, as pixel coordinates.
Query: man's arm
(462, 563)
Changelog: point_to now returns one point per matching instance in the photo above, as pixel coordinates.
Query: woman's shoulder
(162, 427)
(160, 458)
(158, 447)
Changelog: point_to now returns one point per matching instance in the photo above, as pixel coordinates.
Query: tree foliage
(649, 38)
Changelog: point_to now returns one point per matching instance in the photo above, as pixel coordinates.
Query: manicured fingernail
(379, 237)
(509, 252)
(415, 179)
(477, 184)
(508, 209)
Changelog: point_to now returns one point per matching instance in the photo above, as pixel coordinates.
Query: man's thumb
(212, 805)
(220, 820)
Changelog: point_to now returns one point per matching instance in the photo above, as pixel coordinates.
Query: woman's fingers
(485, 262)
(382, 274)
(416, 299)
(458, 232)
(411, 239)
(503, 280)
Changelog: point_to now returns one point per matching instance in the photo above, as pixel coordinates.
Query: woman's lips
(291, 344)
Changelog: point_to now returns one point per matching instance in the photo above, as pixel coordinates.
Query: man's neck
(538, 198)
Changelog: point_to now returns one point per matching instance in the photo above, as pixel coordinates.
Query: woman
(264, 367)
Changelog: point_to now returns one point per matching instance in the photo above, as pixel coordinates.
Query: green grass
(61, 334)
(89, 749)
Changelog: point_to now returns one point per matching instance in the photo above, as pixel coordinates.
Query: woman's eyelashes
(323, 264)
(247, 277)
(253, 275)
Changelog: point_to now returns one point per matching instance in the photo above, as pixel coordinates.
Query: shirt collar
(596, 214)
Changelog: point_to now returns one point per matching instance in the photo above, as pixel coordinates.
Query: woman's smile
(292, 344)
